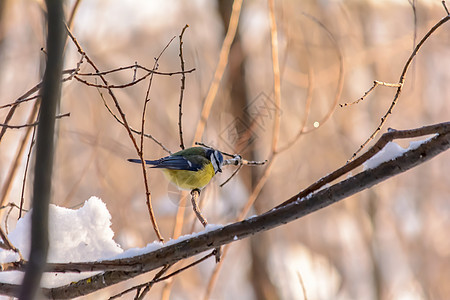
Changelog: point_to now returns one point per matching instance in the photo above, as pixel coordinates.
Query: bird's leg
(195, 194)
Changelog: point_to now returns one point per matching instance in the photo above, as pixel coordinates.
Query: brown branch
(145, 285)
(31, 124)
(194, 196)
(131, 128)
(27, 164)
(123, 119)
(148, 196)
(445, 7)
(129, 84)
(292, 209)
(14, 106)
(157, 279)
(9, 179)
(375, 84)
(17, 102)
(183, 82)
(137, 66)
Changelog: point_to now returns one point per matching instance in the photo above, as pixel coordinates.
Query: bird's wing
(175, 162)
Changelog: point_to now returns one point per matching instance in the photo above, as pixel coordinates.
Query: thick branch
(51, 91)
(296, 207)
(131, 267)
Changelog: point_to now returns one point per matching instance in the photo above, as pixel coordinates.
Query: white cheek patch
(214, 163)
(216, 154)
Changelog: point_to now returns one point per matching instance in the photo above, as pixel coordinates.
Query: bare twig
(145, 285)
(135, 67)
(141, 149)
(194, 196)
(445, 7)
(7, 245)
(27, 164)
(11, 204)
(375, 84)
(7, 184)
(124, 122)
(13, 107)
(385, 138)
(131, 128)
(31, 124)
(183, 82)
(17, 102)
(401, 83)
(232, 175)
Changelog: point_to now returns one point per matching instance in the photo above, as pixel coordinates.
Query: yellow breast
(189, 180)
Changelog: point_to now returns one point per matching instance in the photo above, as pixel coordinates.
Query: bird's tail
(147, 162)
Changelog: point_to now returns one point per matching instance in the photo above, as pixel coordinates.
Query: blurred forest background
(389, 242)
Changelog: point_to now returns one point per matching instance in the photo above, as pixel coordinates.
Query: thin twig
(236, 158)
(385, 138)
(134, 67)
(183, 82)
(27, 164)
(140, 286)
(147, 135)
(375, 84)
(15, 165)
(13, 107)
(124, 122)
(187, 267)
(232, 175)
(445, 7)
(141, 149)
(7, 245)
(32, 124)
(400, 84)
(19, 102)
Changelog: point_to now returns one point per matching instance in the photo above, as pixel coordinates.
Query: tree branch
(292, 209)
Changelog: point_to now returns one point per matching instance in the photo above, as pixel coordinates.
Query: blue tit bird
(189, 169)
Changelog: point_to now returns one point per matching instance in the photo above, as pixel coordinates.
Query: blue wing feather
(175, 162)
